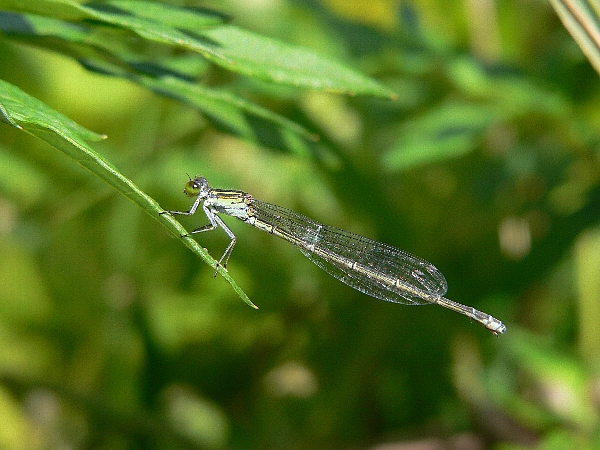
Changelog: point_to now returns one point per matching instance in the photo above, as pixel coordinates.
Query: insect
(371, 267)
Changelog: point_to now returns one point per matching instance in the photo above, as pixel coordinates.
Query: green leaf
(235, 114)
(25, 112)
(64, 9)
(557, 372)
(228, 46)
(38, 119)
(247, 53)
(182, 18)
(448, 131)
(582, 21)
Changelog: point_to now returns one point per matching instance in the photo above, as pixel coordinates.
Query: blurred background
(114, 335)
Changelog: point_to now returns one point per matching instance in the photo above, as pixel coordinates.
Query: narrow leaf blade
(35, 117)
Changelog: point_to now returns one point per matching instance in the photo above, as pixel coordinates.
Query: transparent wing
(419, 281)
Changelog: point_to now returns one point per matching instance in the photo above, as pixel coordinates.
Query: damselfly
(377, 269)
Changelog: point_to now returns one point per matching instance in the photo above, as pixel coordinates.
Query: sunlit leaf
(169, 77)
(228, 46)
(583, 22)
(31, 115)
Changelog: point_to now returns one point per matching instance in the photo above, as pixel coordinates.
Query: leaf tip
(248, 301)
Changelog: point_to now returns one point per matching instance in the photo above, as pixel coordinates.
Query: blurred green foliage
(486, 163)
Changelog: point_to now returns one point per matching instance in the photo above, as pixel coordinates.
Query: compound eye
(191, 188)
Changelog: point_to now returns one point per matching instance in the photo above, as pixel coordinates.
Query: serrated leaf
(272, 60)
(35, 117)
(228, 46)
(236, 114)
(232, 113)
